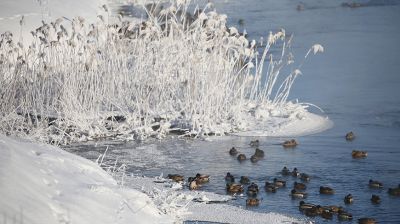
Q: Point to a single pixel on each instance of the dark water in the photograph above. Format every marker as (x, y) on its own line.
(356, 81)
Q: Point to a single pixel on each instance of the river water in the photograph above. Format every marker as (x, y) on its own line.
(355, 81)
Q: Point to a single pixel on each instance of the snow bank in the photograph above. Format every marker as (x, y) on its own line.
(44, 184)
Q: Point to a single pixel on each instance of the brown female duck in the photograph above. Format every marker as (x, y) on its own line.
(326, 190)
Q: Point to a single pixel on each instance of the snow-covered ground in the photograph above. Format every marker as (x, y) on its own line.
(44, 184)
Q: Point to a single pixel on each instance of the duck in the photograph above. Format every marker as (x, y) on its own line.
(375, 199)
(356, 154)
(394, 191)
(344, 216)
(375, 184)
(255, 143)
(252, 202)
(295, 172)
(244, 180)
(279, 183)
(193, 184)
(350, 136)
(270, 187)
(366, 221)
(229, 178)
(298, 194)
(233, 151)
(348, 199)
(327, 214)
(305, 177)
(241, 157)
(201, 178)
(290, 143)
(333, 208)
(299, 186)
(254, 158)
(285, 171)
(312, 212)
(259, 153)
(305, 206)
(326, 190)
(175, 177)
(252, 189)
(234, 188)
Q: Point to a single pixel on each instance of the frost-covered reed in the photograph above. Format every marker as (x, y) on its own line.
(134, 80)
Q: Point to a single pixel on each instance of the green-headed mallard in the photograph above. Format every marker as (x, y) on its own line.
(270, 187)
(344, 216)
(295, 173)
(252, 189)
(233, 151)
(375, 184)
(229, 178)
(304, 206)
(298, 194)
(305, 177)
(279, 183)
(348, 199)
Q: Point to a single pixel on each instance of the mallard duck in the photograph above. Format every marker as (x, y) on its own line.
(333, 208)
(298, 194)
(229, 178)
(175, 177)
(255, 143)
(344, 216)
(244, 180)
(348, 199)
(366, 221)
(305, 177)
(290, 143)
(375, 184)
(356, 154)
(201, 178)
(304, 206)
(252, 202)
(375, 199)
(327, 214)
(252, 189)
(312, 212)
(350, 136)
(234, 188)
(394, 191)
(279, 183)
(326, 190)
(299, 186)
(193, 184)
(254, 158)
(259, 153)
(241, 157)
(295, 172)
(233, 151)
(270, 187)
(285, 171)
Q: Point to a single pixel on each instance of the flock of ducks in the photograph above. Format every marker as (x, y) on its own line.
(298, 191)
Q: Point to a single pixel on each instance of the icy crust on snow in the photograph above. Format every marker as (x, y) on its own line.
(44, 184)
(200, 205)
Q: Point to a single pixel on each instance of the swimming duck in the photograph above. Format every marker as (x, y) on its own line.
(270, 187)
(285, 171)
(375, 199)
(193, 184)
(229, 178)
(326, 214)
(295, 172)
(259, 153)
(333, 208)
(244, 180)
(375, 184)
(326, 190)
(299, 186)
(279, 183)
(234, 188)
(348, 199)
(175, 177)
(356, 154)
(255, 143)
(305, 177)
(201, 178)
(241, 157)
(344, 216)
(312, 212)
(233, 151)
(394, 191)
(366, 221)
(298, 194)
(252, 202)
(304, 206)
(290, 143)
(254, 158)
(252, 189)
(350, 136)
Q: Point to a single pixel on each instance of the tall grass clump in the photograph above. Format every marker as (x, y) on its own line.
(177, 70)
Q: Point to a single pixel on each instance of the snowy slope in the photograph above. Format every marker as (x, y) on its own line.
(44, 184)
